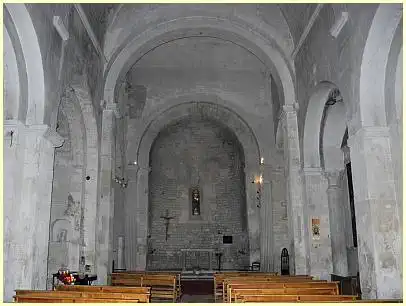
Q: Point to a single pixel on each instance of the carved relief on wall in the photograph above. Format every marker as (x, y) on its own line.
(74, 210)
(61, 230)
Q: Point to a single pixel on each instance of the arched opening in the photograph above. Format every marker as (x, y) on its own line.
(327, 164)
(66, 240)
(336, 162)
(138, 176)
(197, 157)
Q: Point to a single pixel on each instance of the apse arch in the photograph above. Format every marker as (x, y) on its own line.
(31, 70)
(194, 26)
(140, 173)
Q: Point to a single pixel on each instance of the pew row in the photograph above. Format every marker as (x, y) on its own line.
(293, 298)
(64, 296)
(163, 286)
(309, 288)
(220, 276)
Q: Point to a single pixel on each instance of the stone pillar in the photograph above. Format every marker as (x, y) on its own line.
(142, 220)
(297, 218)
(253, 213)
(130, 221)
(337, 222)
(317, 207)
(376, 210)
(27, 204)
(106, 207)
(266, 221)
(120, 252)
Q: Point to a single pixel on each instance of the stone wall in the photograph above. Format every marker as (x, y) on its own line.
(188, 153)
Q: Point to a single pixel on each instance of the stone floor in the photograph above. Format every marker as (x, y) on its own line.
(188, 298)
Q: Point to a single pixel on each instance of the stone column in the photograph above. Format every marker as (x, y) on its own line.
(142, 222)
(253, 213)
(376, 211)
(130, 222)
(106, 208)
(27, 205)
(297, 218)
(266, 221)
(120, 252)
(317, 207)
(337, 222)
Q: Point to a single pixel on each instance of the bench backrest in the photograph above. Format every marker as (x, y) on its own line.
(294, 298)
(141, 297)
(124, 289)
(32, 299)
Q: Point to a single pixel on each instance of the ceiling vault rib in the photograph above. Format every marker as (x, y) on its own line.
(307, 29)
(89, 30)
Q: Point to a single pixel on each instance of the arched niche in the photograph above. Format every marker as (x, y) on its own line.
(137, 191)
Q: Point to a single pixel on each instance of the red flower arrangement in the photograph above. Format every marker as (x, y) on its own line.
(66, 277)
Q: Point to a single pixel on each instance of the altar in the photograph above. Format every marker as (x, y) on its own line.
(197, 259)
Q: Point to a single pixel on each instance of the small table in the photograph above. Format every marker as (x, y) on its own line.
(86, 280)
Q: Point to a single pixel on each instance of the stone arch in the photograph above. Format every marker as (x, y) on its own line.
(22, 32)
(68, 185)
(222, 114)
(137, 152)
(80, 95)
(313, 121)
(139, 175)
(13, 106)
(191, 26)
(374, 64)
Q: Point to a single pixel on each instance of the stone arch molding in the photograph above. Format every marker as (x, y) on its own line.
(31, 73)
(138, 176)
(125, 15)
(312, 128)
(263, 48)
(78, 95)
(176, 108)
(374, 64)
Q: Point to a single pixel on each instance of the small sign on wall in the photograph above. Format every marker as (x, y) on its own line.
(316, 229)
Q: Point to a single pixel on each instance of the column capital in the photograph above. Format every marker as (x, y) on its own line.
(312, 171)
(368, 132)
(290, 108)
(334, 177)
(114, 108)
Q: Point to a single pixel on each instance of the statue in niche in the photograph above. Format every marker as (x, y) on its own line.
(195, 202)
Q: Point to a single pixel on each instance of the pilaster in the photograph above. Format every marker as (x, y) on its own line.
(376, 210)
(295, 190)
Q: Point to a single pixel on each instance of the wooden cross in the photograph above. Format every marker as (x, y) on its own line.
(167, 220)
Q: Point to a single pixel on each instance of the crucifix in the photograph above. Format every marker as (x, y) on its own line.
(167, 220)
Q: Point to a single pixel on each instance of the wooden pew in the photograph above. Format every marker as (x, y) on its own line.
(293, 298)
(286, 291)
(162, 286)
(220, 276)
(139, 290)
(130, 273)
(330, 288)
(31, 299)
(266, 279)
(68, 296)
